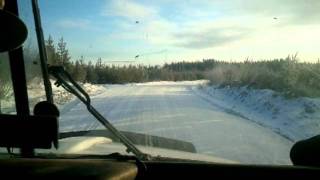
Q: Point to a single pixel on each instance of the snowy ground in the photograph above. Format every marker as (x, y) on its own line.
(36, 93)
(181, 110)
(295, 119)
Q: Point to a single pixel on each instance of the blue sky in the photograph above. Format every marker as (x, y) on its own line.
(164, 30)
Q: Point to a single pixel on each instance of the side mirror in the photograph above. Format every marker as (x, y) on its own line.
(306, 152)
(13, 31)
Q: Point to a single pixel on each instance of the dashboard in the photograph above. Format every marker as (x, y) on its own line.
(130, 169)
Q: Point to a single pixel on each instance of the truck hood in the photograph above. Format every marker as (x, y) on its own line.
(103, 146)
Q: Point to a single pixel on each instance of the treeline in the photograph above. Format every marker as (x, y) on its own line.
(287, 76)
(98, 72)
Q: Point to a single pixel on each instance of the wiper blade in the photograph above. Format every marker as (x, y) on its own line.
(136, 138)
(63, 77)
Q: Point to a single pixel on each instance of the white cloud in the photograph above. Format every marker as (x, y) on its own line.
(161, 32)
(73, 23)
(128, 9)
(296, 12)
(237, 29)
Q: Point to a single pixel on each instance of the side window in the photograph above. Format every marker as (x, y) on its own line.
(7, 101)
(34, 76)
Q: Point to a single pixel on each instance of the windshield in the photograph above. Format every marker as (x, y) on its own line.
(237, 79)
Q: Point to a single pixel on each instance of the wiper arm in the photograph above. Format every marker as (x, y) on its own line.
(63, 77)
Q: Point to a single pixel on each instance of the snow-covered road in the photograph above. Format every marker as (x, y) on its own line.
(173, 110)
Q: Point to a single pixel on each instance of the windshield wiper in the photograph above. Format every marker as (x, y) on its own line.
(136, 138)
(63, 77)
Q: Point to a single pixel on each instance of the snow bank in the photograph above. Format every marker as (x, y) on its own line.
(36, 92)
(295, 119)
(61, 96)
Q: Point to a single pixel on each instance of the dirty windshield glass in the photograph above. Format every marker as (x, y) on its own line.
(7, 101)
(235, 81)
